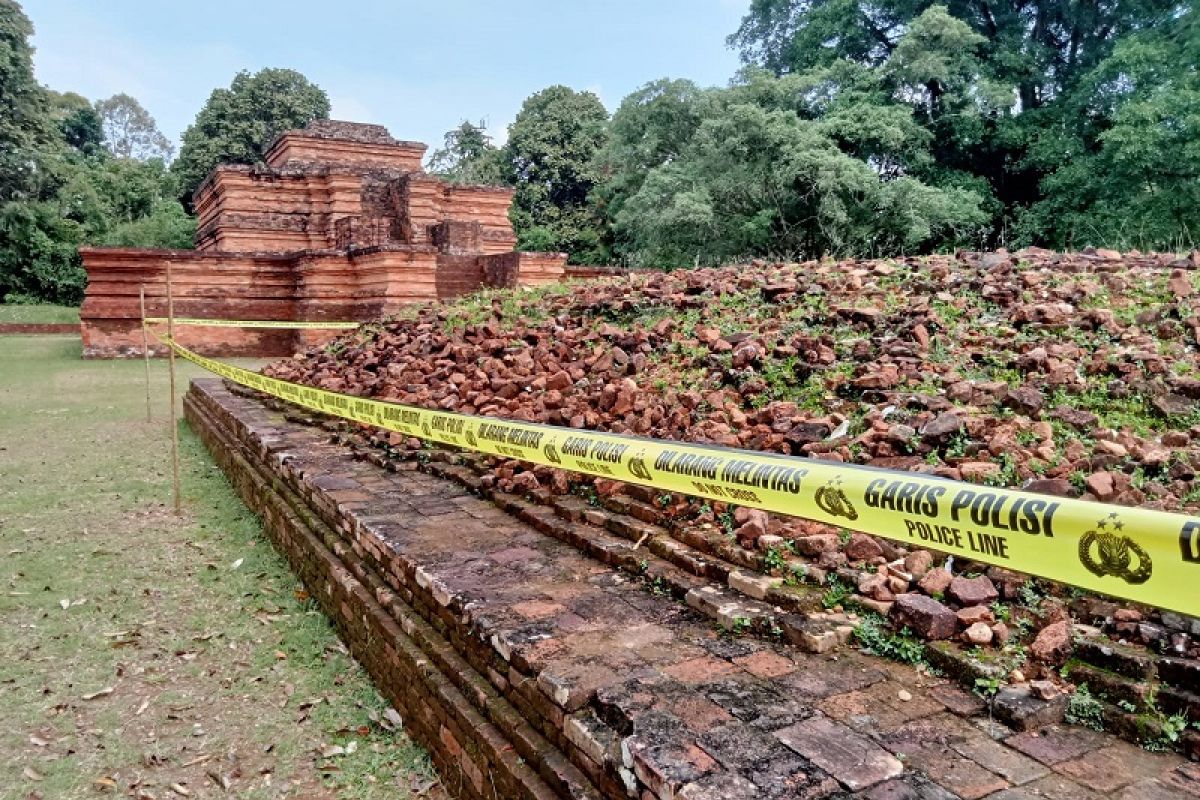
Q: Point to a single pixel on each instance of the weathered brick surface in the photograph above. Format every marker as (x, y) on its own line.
(531, 668)
(21, 328)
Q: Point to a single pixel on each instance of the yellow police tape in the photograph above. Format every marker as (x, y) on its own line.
(259, 323)
(1147, 556)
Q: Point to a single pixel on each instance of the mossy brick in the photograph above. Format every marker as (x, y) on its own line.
(1183, 673)
(1121, 659)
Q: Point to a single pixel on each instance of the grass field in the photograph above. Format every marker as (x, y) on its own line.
(39, 314)
(152, 656)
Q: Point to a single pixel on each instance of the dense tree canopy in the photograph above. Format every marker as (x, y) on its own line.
(76, 122)
(60, 188)
(238, 124)
(550, 159)
(24, 121)
(879, 126)
(756, 176)
(1033, 98)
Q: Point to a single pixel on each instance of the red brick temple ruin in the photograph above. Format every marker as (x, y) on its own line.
(342, 223)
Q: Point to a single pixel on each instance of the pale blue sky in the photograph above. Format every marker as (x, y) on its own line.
(416, 66)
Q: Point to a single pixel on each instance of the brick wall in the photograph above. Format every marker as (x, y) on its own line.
(311, 286)
(395, 623)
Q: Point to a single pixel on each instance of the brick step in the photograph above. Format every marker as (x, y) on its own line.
(717, 560)
(736, 599)
(639, 692)
(769, 598)
(809, 629)
(1140, 691)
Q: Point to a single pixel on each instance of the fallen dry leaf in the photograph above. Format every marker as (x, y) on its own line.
(32, 774)
(107, 690)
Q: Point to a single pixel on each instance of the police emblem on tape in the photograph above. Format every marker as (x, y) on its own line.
(1106, 552)
(637, 466)
(833, 501)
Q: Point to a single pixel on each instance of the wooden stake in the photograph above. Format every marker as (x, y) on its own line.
(145, 348)
(174, 421)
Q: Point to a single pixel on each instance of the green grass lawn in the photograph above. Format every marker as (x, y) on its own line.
(39, 314)
(140, 650)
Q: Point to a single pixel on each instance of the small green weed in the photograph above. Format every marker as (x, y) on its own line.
(1084, 709)
(836, 594)
(875, 637)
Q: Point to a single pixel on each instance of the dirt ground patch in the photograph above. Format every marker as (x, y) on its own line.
(149, 656)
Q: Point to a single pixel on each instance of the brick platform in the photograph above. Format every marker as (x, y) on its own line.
(530, 668)
(38, 328)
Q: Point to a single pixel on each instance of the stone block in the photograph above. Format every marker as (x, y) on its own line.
(927, 617)
(857, 761)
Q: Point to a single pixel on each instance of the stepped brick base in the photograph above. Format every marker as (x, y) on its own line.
(41, 328)
(531, 669)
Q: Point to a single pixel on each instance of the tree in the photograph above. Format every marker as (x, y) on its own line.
(130, 131)
(467, 155)
(757, 181)
(1043, 45)
(238, 124)
(25, 124)
(167, 225)
(76, 121)
(59, 187)
(39, 255)
(651, 128)
(997, 85)
(1135, 181)
(550, 154)
(100, 200)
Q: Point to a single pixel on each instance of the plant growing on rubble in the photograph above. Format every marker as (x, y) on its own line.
(1084, 709)
(837, 594)
(874, 636)
(739, 627)
(774, 560)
